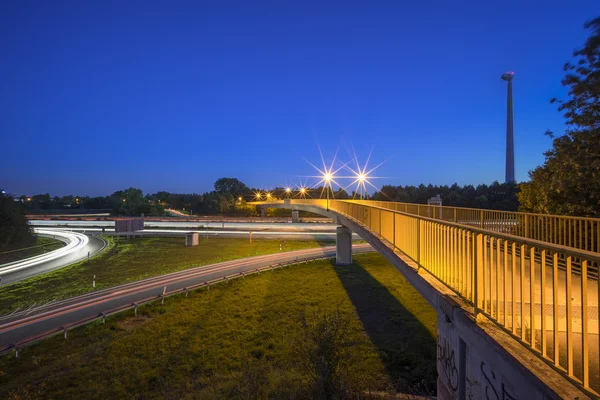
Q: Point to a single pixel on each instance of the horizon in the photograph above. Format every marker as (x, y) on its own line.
(146, 95)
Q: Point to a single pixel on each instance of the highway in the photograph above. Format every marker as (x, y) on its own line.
(23, 327)
(265, 230)
(77, 248)
(246, 226)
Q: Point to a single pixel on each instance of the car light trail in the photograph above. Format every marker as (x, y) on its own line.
(75, 242)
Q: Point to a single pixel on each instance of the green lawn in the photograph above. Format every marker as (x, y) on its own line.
(242, 340)
(40, 246)
(131, 260)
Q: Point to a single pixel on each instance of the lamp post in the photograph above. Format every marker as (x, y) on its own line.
(287, 192)
(361, 183)
(327, 179)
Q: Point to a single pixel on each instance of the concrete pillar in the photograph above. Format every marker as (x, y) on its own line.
(263, 212)
(295, 217)
(343, 250)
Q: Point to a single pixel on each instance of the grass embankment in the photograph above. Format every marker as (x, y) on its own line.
(131, 260)
(245, 340)
(40, 246)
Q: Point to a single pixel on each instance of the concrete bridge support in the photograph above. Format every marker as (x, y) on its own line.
(263, 212)
(343, 244)
(295, 216)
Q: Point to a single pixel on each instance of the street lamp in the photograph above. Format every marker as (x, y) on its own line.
(287, 192)
(327, 177)
(258, 196)
(361, 178)
(269, 196)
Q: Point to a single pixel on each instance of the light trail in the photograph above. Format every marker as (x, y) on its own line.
(75, 242)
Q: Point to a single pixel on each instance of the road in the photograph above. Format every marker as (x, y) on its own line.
(266, 230)
(20, 328)
(246, 226)
(77, 248)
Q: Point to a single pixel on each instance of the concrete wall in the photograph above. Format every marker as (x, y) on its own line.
(476, 359)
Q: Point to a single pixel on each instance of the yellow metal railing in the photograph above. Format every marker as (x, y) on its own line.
(544, 294)
(578, 232)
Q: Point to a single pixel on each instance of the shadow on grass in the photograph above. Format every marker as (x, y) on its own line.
(406, 347)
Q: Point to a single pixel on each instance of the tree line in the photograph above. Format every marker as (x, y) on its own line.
(497, 196)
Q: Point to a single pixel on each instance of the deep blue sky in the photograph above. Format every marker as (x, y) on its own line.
(98, 96)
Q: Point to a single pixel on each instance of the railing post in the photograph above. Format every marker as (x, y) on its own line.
(455, 219)
(526, 222)
(394, 230)
(478, 261)
(481, 219)
(419, 242)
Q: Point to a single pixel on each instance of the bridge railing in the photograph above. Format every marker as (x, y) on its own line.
(543, 294)
(578, 232)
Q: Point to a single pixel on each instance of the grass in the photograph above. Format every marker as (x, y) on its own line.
(131, 260)
(239, 340)
(40, 246)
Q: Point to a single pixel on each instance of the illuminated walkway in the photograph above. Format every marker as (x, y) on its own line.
(495, 265)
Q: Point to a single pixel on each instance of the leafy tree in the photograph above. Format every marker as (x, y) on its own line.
(132, 202)
(569, 180)
(14, 230)
(232, 186)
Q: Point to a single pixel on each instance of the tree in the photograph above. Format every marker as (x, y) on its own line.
(232, 186)
(14, 230)
(132, 202)
(569, 180)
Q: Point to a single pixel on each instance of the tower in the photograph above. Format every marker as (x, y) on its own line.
(510, 140)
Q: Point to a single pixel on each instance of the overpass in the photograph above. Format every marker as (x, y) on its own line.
(516, 293)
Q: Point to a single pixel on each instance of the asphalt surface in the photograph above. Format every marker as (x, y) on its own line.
(21, 326)
(77, 249)
(254, 226)
(282, 235)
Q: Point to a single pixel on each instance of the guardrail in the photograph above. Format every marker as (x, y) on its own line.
(14, 347)
(543, 294)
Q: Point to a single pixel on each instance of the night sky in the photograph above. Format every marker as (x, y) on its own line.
(98, 96)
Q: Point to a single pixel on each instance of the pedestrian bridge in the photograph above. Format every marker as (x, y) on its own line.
(516, 293)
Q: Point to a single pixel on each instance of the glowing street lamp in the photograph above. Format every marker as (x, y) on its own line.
(269, 196)
(258, 196)
(240, 199)
(361, 178)
(287, 192)
(327, 177)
